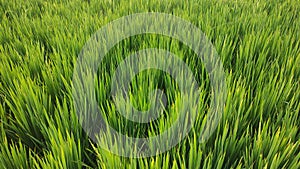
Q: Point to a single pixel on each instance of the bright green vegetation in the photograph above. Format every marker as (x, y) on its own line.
(258, 42)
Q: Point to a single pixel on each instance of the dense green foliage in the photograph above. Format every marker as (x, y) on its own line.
(259, 45)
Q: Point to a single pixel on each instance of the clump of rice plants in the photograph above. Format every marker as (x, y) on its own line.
(258, 43)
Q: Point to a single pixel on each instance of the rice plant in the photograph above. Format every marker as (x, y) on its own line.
(258, 44)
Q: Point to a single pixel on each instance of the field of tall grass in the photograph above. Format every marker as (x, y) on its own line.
(258, 43)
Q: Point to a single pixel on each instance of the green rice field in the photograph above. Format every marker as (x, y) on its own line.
(258, 43)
